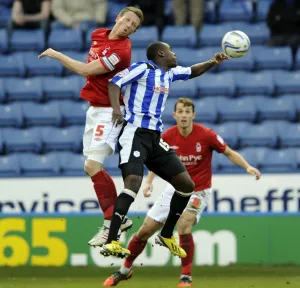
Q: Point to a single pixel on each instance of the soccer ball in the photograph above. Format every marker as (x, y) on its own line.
(235, 44)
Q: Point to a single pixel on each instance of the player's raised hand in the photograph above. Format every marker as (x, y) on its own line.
(51, 53)
(253, 171)
(117, 117)
(219, 58)
(148, 189)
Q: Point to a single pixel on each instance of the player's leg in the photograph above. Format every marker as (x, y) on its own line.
(99, 142)
(190, 217)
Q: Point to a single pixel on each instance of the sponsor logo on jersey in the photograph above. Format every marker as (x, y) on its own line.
(161, 89)
(136, 154)
(174, 147)
(190, 159)
(105, 50)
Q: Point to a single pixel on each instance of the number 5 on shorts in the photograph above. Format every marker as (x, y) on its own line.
(99, 130)
(164, 145)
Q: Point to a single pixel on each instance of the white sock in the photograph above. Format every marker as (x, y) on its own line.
(124, 270)
(107, 223)
(188, 276)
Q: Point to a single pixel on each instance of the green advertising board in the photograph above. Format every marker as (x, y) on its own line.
(59, 240)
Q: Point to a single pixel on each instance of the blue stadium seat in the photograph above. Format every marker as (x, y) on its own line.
(39, 165)
(242, 109)
(226, 166)
(183, 89)
(5, 15)
(290, 137)
(180, 36)
(144, 36)
(206, 110)
(263, 135)
(2, 92)
(258, 33)
(276, 109)
(42, 114)
(68, 139)
(22, 140)
(22, 40)
(262, 9)
(79, 56)
(74, 113)
(254, 155)
(71, 164)
(254, 83)
(167, 115)
(215, 162)
(11, 115)
(44, 66)
(111, 165)
(9, 166)
(138, 55)
(276, 161)
(222, 84)
(61, 88)
(236, 11)
(1, 142)
(245, 63)
(272, 57)
(12, 65)
(23, 89)
(228, 131)
(297, 64)
(3, 41)
(295, 99)
(279, 125)
(113, 11)
(287, 82)
(66, 39)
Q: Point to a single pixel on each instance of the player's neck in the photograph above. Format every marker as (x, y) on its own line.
(114, 36)
(161, 65)
(185, 132)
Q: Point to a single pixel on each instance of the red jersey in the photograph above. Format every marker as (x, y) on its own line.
(195, 152)
(115, 55)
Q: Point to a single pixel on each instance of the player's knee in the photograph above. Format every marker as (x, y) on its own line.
(133, 183)
(186, 222)
(92, 167)
(144, 233)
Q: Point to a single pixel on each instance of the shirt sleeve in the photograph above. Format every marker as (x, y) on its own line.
(181, 73)
(216, 142)
(117, 58)
(135, 72)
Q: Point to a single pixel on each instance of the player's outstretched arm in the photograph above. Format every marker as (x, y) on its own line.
(238, 159)
(201, 68)
(114, 97)
(84, 69)
(148, 188)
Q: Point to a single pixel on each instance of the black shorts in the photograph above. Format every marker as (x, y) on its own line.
(139, 147)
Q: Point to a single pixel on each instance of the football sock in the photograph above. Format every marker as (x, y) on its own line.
(121, 208)
(107, 223)
(106, 192)
(178, 204)
(136, 247)
(187, 244)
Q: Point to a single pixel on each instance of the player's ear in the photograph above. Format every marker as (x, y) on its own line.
(194, 115)
(160, 53)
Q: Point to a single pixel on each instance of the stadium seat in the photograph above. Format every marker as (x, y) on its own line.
(39, 165)
(254, 83)
(66, 39)
(215, 162)
(57, 139)
(295, 99)
(113, 11)
(279, 125)
(23, 89)
(3, 41)
(74, 113)
(79, 56)
(41, 67)
(236, 11)
(22, 140)
(1, 142)
(279, 161)
(228, 131)
(206, 110)
(5, 15)
(9, 166)
(2, 92)
(183, 89)
(12, 65)
(242, 109)
(22, 40)
(36, 114)
(263, 9)
(180, 36)
(138, 55)
(61, 88)
(11, 115)
(245, 63)
(71, 164)
(226, 166)
(287, 82)
(275, 109)
(221, 84)
(111, 165)
(258, 33)
(263, 135)
(167, 115)
(144, 36)
(272, 57)
(290, 137)
(254, 155)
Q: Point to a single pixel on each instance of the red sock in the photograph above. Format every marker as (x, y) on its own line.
(187, 243)
(136, 247)
(106, 192)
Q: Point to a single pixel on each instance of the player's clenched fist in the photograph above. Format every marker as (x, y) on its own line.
(49, 53)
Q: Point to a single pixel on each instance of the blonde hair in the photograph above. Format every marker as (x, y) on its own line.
(138, 12)
(186, 102)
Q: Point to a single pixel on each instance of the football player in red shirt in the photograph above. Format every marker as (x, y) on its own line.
(110, 53)
(194, 144)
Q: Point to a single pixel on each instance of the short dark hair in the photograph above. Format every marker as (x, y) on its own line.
(138, 12)
(153, 48)
(187, 102)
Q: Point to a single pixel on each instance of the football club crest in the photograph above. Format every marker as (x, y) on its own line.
(198, 147)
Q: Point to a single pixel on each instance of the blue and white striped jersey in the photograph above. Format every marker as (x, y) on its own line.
(147, 89)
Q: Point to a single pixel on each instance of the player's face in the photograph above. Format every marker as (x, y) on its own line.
(184, 115)
(169, 56)
(127, 24)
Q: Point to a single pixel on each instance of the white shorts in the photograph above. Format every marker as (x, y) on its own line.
(100, 136)
(197, 203)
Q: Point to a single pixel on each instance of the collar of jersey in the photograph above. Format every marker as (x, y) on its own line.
(151, 62)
